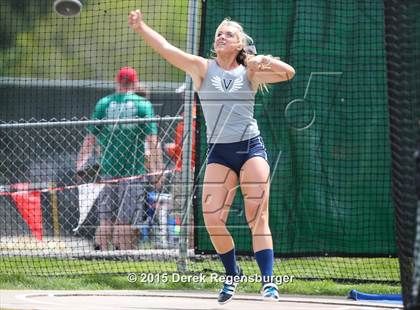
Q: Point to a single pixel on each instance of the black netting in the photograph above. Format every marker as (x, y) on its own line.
(326, 133)
(402, 45)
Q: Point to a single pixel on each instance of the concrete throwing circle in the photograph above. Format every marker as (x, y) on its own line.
(169, 300)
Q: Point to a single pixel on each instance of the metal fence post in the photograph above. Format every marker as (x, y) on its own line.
(186, 175)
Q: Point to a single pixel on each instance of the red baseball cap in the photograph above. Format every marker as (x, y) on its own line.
(126, 75)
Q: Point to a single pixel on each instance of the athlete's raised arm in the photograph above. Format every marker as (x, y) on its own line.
(194, 65)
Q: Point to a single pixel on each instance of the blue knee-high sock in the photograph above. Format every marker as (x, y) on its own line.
(265, 260)
(229, 261)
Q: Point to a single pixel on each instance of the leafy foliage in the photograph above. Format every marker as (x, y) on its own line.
(37, 42)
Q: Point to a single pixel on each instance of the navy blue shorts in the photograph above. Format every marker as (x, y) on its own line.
(234, 155)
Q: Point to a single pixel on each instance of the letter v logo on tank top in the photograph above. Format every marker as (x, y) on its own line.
(227, 85)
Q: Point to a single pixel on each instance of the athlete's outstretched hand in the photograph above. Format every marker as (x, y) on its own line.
(135, 19)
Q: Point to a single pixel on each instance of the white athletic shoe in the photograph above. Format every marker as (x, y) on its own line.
(270, 292)
(229, 288)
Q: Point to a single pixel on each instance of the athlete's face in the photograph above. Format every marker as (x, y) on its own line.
(227, 40)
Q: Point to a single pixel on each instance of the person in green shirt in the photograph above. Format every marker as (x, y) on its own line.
(122, 155)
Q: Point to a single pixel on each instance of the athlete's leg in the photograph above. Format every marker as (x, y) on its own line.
(255, 187)
(219, 188)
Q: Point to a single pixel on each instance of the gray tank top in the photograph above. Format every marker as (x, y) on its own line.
(227, 100)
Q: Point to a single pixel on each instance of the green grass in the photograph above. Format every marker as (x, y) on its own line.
(109, 282)
(373, 269)
(36, 273)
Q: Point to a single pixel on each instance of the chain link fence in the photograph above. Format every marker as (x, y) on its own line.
(51, 208)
